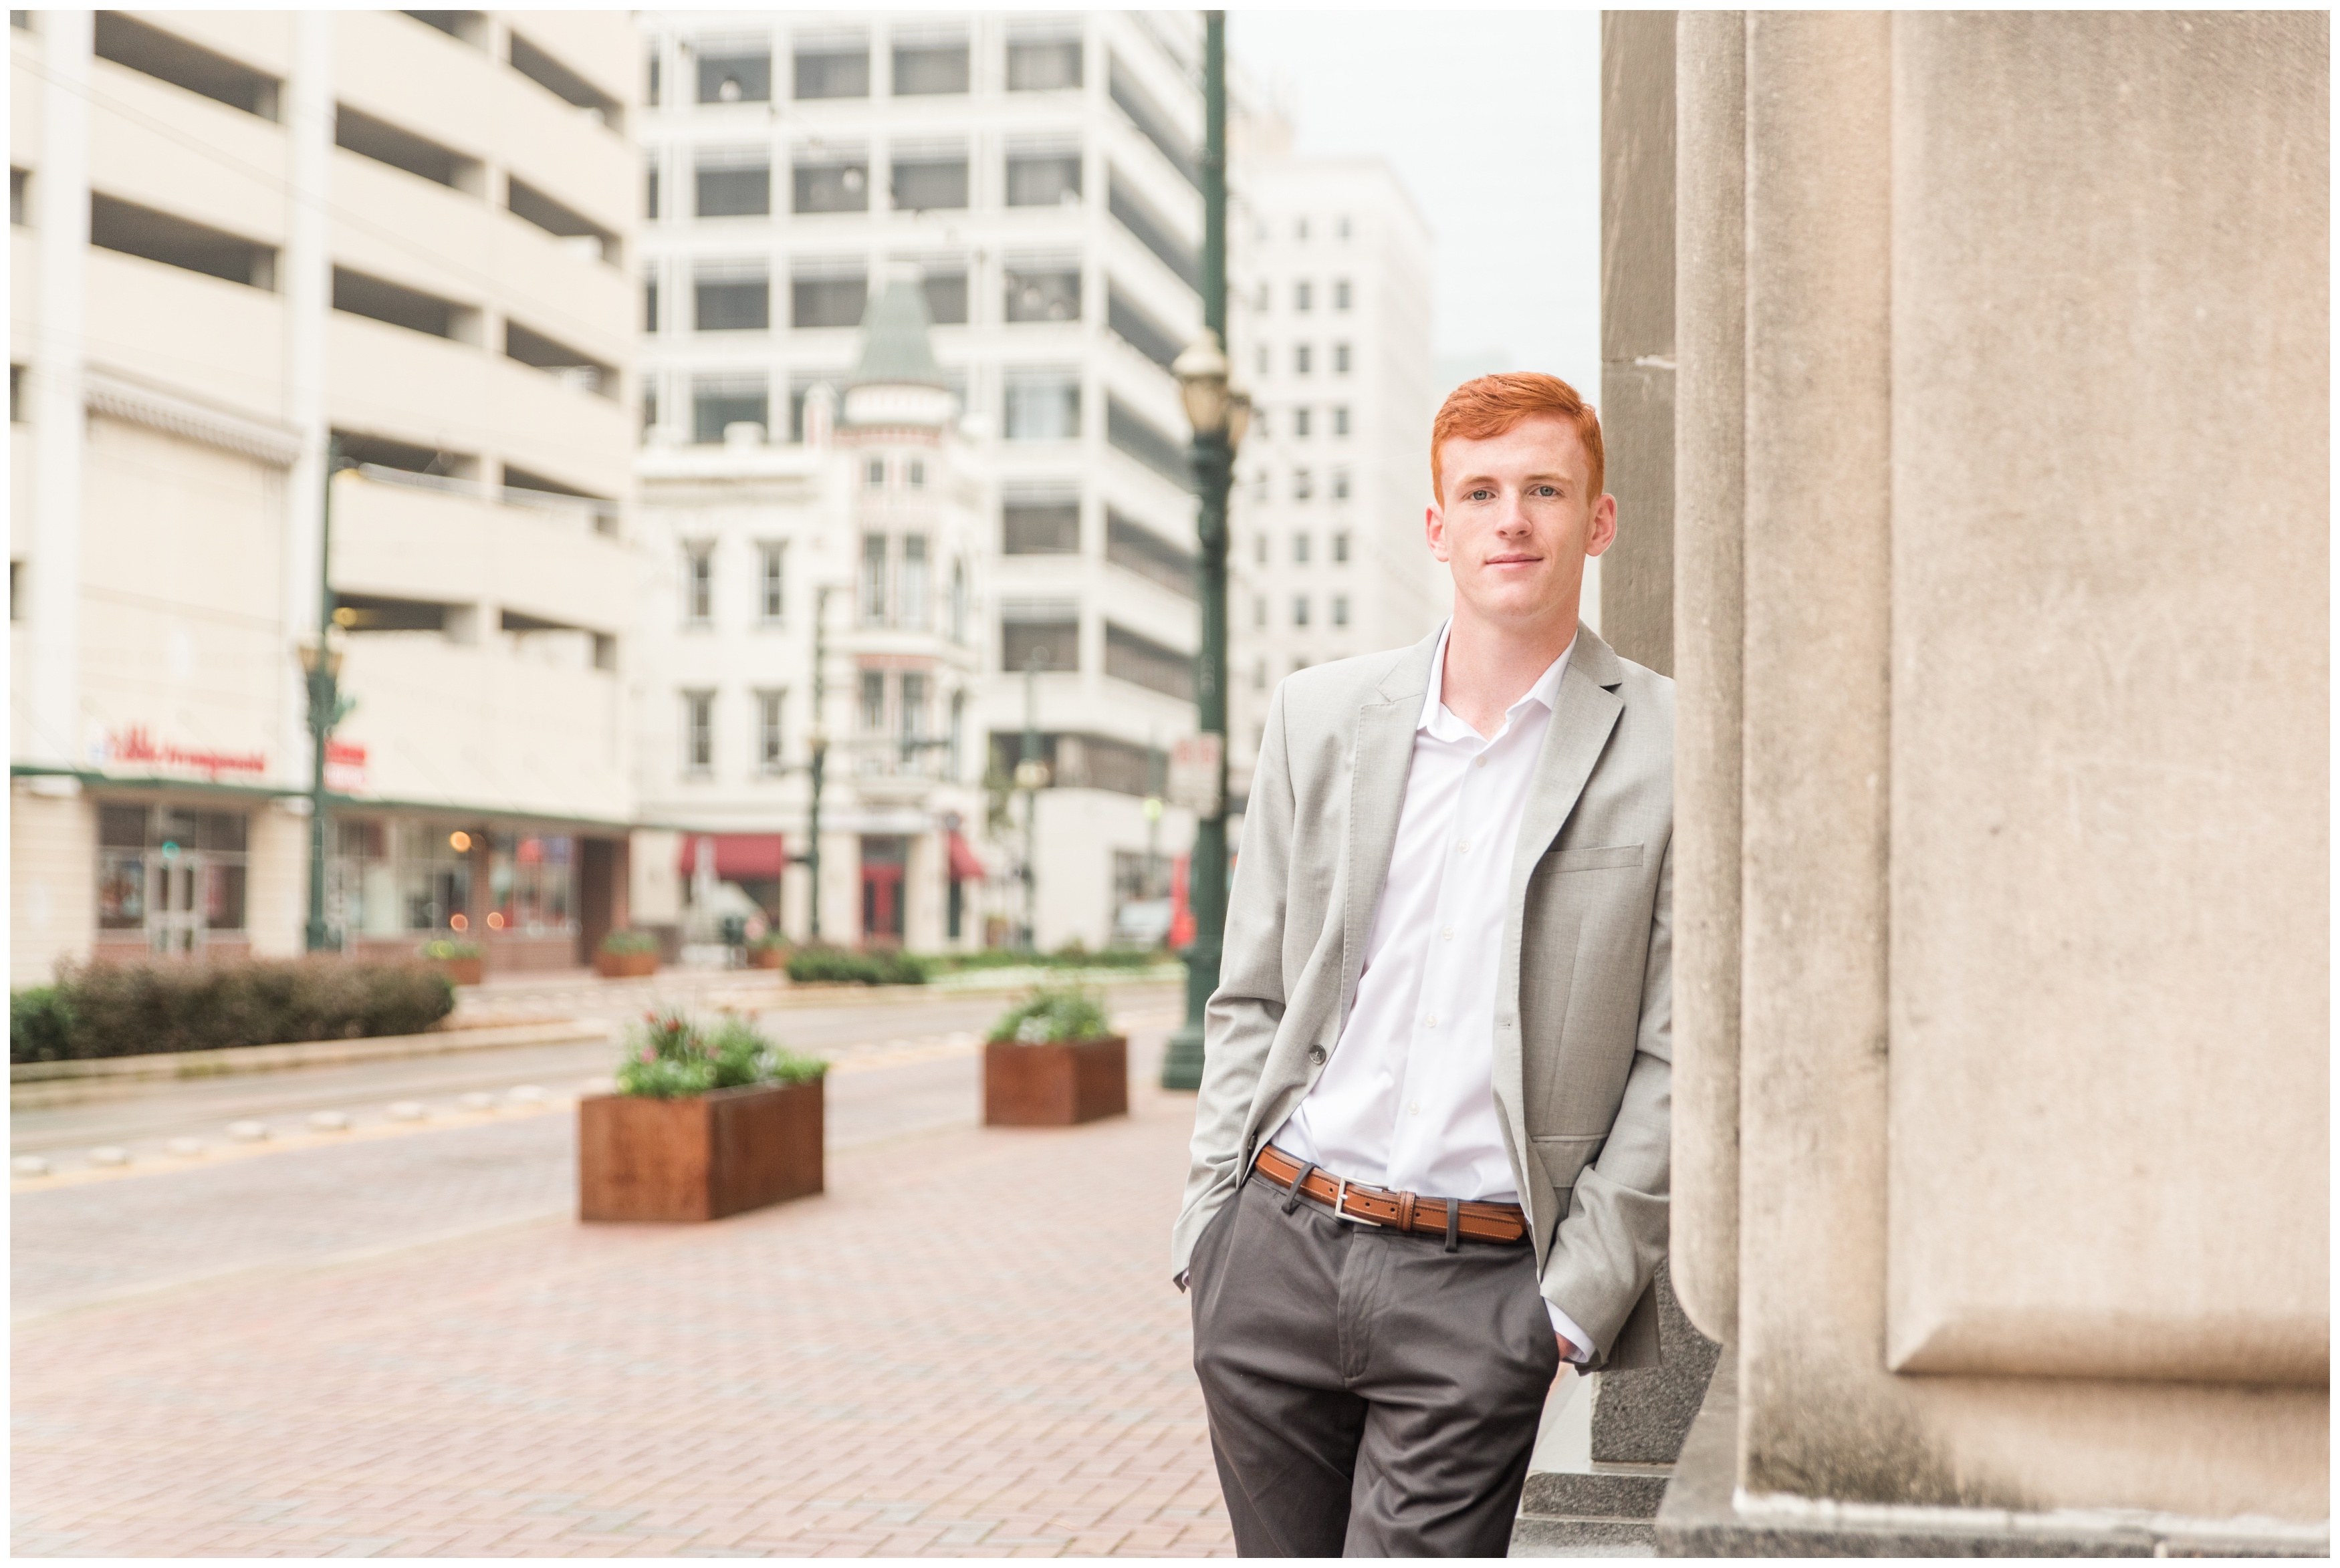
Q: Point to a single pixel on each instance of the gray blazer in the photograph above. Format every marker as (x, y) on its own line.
(1583, 1018)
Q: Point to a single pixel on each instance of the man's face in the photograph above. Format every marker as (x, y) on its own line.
(1515, 523)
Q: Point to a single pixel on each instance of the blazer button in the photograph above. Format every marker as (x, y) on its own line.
(1316, 1056)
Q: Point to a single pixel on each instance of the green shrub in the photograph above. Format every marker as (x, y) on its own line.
(40, 1024)
(1053, 1013)
(840, 966)
(769, 940)
(135, 1008)
(443, 951)
(669, 1055)
(1024, 957)
(625, 944)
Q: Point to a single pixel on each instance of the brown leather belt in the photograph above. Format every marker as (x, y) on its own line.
(1469, 1221)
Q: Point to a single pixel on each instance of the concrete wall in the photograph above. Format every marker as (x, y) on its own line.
(1637, 331)
(2003, 594)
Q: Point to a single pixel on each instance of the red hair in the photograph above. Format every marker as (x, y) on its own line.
(1492, 406)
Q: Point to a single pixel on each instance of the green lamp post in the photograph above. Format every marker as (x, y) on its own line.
(1219, 415)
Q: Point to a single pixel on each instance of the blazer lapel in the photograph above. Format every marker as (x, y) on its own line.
(1580, 724)
(1378, 769)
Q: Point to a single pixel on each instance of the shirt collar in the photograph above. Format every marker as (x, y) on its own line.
(1444, 725)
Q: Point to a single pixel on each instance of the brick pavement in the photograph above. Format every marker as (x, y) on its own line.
(873, 1371)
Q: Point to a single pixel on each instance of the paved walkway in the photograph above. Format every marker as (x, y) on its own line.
(967, 1347)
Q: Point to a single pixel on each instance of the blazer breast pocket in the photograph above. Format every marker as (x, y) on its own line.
(1607, 857)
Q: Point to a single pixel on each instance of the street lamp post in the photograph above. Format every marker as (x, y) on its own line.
(1218, 416)
(1031, 775)
(320, 663)
(820, 748)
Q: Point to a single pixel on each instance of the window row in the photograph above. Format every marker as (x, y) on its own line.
(1304, 485)
(1337, 604)
(1299, 422)
(1303, 359)
(1303, 546)
(837, 64)
(1041, 519)
(737, 296)
(1303, 293)
(896, 708)
(1263, 229)
(1045, 636)
(920, 177)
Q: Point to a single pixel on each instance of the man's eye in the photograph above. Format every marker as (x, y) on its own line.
(1546, 491)
(1483, 495)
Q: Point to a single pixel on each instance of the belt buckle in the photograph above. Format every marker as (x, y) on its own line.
(1340, 1197)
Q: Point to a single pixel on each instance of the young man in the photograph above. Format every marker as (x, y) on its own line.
(1431, 1151)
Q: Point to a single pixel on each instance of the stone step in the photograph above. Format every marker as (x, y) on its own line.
(1546, 1535)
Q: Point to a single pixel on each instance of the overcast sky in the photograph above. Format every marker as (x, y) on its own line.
(1492, 121)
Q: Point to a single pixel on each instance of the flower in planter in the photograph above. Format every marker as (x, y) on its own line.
(629, 943)
(669, 1055)
(445, 951)
(1053, 1013)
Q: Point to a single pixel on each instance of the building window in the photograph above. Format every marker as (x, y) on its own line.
(1300, 230)
(18, 178)
(921, 69)
(650, 403)
(873, 701)
(155, 236)
(651, 303)
(1135, 547)
(16, 394)
(1300, 609)
(532, 883)
(1040, 524)
(1042, 291)
(1340, 484)
(769, 710)
(1259, 486)
(736, 77)
(1340, 359)
(875, 475)
(1304, 296)
(1142, 661)
(928, 183)
(1303, 358)
(1344, 226)
(828, 294)
(388, 878)
(1300, 549)
(1259, 550)
(771, 581)
(1340, 609)
(730, 297)
(733, 183)
(1044, 66)
(1300, 423)
(917, 474)
(1044, 637)
(1043, 405)
(717, 402)
(1341, 419)
(654, 79)
(1341, 292)
(1261, 358)
(945, 290)
(1266, 293)
(698, 733)
(912, 715)
(833, 71)
(698, 584)
(1259, 610)
(1341, 547)
(915, 594)
(832, 182)
(650, 191)
(170, 58)
(1043, 179)
(957, 618)
(1259, 676)
(1303, 487)
(873, 579)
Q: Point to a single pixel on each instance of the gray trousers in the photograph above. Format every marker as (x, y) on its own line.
(1370, 1394)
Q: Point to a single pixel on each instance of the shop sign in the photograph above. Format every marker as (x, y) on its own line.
(345, 767)
(1197, 768)
(135, 747)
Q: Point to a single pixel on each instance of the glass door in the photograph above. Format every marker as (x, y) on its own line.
(175, 923)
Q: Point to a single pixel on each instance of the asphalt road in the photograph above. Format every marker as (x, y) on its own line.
(494, 1145)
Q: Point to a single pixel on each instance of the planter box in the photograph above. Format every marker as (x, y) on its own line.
(699, 1158)
(768, 957)
(624, 966)
(1054, 1085)
(462, 971)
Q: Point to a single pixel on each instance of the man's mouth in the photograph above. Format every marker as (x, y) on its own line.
(1512, 560)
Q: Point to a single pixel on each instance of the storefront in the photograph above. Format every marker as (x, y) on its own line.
(173, 878)
(532, 897)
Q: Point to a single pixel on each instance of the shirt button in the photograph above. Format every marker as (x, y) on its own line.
(1479, 761)
(1462, 845)
(1446, 934)
(1316, 1055)
(1430, 1021)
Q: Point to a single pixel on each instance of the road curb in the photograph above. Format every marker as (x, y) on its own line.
(239, 1059)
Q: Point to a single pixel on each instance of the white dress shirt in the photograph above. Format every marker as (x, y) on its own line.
(1407, 1101)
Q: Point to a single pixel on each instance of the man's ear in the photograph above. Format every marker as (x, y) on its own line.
(1603, 531)
(1434, 529)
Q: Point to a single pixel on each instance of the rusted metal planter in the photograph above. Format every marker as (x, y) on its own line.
(768, 957)
(1056, 1084)
(625, 965)
(698, 1157)
(462, 971)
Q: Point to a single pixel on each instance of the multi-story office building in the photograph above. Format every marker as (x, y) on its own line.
(236, 238)
(1330, 322)
(1039, 174)
(823, 587)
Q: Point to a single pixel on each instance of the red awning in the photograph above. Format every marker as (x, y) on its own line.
(963, 865)
(736, 854)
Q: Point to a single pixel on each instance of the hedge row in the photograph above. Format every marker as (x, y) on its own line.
(837, 966)
(137, 1008)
